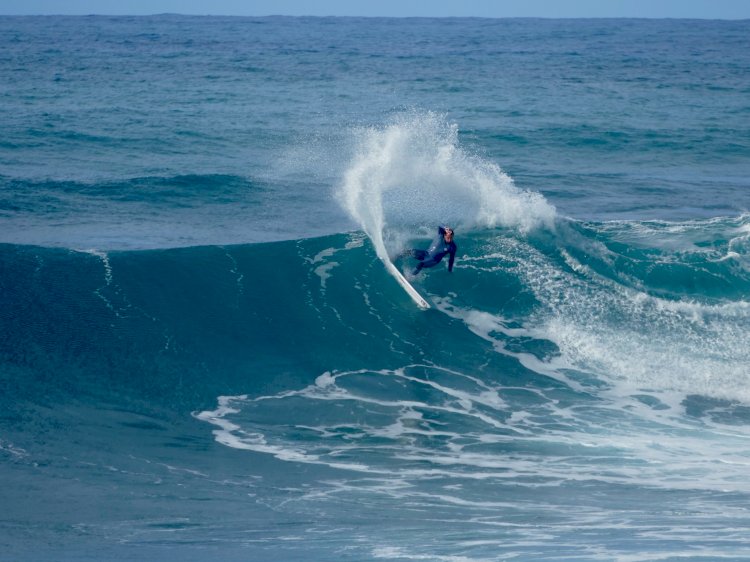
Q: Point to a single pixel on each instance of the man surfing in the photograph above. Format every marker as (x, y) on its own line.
(442, 244)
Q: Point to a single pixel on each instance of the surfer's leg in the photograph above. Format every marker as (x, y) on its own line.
(430, 262)
(424, 260)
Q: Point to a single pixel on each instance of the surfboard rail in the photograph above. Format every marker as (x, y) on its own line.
(410, 290)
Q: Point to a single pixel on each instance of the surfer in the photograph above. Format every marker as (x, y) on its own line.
(442, 244)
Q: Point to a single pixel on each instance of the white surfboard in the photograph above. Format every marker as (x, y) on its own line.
(411, 291)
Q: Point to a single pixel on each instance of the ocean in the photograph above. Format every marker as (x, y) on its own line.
(203, 356)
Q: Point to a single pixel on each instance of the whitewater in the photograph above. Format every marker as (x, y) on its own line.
(203, 355)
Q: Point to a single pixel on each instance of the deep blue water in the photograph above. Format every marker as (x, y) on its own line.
(202, 355)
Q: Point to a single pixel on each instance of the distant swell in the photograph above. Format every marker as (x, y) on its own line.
(136, 213)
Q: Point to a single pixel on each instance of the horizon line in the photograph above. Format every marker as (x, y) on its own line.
(218, 15)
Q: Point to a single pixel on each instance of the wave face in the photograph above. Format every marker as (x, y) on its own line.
(575, 377)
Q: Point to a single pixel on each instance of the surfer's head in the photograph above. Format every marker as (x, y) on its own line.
(448, 235)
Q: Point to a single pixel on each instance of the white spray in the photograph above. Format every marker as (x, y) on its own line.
(411, 175)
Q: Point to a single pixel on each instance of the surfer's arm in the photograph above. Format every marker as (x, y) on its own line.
(451, 258)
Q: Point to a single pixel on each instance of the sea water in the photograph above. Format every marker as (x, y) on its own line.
(202, 355)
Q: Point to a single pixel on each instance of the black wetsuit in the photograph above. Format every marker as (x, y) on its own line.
(436, 252)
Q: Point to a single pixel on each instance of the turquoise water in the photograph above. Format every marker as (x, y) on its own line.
(203, 357)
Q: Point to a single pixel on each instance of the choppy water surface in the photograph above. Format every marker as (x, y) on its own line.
(202, 354)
